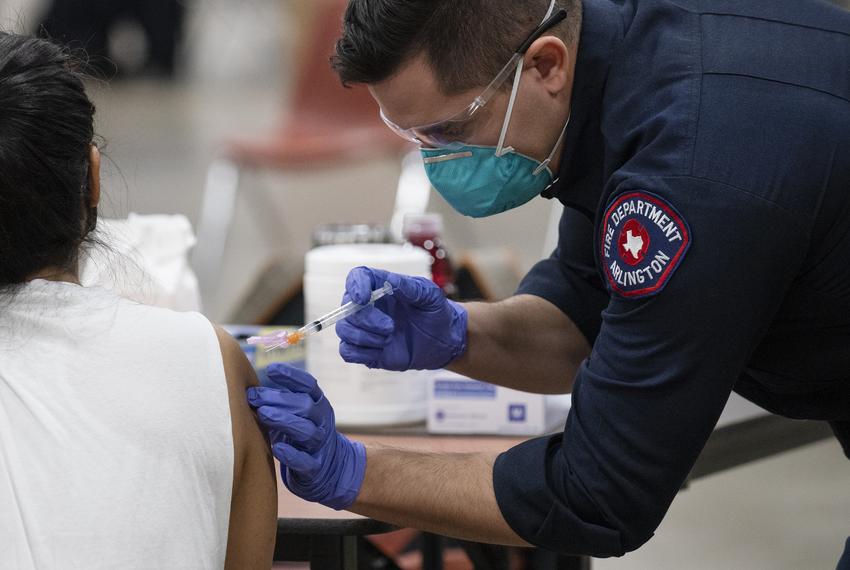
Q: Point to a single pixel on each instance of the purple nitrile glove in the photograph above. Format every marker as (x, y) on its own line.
(415, 328)
(318, 463)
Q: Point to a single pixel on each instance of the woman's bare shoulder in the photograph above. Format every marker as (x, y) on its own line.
(240, 374)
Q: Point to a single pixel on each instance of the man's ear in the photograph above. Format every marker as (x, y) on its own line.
(550, 58)
(94, 177)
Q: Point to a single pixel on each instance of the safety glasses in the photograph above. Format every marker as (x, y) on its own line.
(453, 132)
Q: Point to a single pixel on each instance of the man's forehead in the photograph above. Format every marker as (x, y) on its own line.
(411, 97)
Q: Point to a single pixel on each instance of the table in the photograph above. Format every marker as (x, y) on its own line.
(309, 532)
(329, 539)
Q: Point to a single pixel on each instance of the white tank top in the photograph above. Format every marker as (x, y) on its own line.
(116, 449)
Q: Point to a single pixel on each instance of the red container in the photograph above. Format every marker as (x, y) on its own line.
(424, 230)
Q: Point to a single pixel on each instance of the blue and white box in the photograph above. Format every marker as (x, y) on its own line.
(460, 405)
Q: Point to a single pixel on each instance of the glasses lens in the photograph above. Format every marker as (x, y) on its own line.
(406, 134)
(458, 132)
(444, 134)
(449, 134)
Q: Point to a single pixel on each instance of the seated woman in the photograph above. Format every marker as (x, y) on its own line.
(125, 437)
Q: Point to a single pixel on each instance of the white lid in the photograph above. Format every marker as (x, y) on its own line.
(340, 259)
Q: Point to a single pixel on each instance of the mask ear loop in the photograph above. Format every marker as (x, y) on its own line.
(545, 164)
(549, 21)
(500, 148)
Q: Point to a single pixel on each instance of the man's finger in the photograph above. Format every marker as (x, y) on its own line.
(354, 354)
(291, 402)
(293, 379)
(361, 281)
(361, 337)
(301, 431)
(373, 320)
(301, 463)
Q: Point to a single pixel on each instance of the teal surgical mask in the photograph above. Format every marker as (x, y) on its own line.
(481, 181)
(478, 182)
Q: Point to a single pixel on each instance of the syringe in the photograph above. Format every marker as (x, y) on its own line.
(283, 339)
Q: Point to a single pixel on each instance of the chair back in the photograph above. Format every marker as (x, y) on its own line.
(318, 92)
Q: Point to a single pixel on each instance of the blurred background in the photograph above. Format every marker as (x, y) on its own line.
(225, 111)
(206, 79)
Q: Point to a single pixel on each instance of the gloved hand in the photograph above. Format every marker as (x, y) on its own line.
(415, 328)
(318, 463)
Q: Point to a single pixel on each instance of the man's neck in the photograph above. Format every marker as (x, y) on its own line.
(555, 163)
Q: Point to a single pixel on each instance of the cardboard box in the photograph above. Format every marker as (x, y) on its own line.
(460, 405)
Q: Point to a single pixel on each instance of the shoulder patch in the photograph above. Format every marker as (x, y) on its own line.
(644, 239)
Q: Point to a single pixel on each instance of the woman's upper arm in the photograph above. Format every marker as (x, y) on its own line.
(253, 511)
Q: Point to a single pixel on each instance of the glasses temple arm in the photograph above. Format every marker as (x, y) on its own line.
(547, 25)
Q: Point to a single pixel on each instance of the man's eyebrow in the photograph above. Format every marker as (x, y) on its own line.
(443, 119)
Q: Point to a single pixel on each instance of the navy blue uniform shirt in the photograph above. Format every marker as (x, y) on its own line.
(704, 248)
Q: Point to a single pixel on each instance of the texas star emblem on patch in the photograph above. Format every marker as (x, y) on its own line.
(643, 241)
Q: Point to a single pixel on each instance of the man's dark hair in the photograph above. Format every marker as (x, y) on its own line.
(466, 42)
(46, 129)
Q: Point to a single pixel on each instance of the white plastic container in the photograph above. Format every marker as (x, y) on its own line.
(361, 397)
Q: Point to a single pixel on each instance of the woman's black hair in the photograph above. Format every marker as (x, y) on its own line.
(46, 133)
